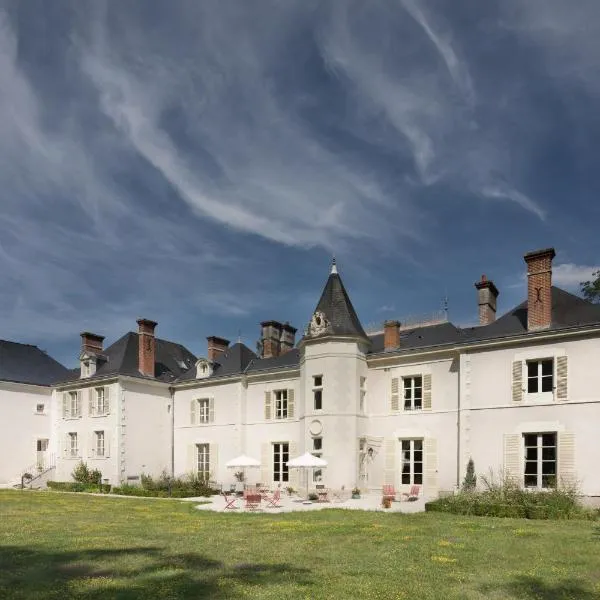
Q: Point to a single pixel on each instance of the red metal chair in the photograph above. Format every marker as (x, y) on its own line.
(252, 501)
(389, 492)
(413, 494)
(273, 501)
(229, 501)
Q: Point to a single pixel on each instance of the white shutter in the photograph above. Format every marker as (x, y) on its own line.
(106, 443)
(512, 457)
(430, 479)
(91, 405)
(290, 403)
(66, 405)
(193, 404)
(395, 404)
(211, 410)
(389, 473)
(268, 408)
(214, 461)
(91, 450)
(79, 401)
(107, 400)
(561, 378)
(427, 391)
(191, 465)
(566, 459)
(266, 464)
(517, 381)
(293, 475)
(66, 444)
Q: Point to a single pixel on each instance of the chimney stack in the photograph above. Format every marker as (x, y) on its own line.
(288, 338)
(91, 343)
(216, 347)
(391, 335)
(539, 288)
(147, 347)
(487, 294)
(270, 338)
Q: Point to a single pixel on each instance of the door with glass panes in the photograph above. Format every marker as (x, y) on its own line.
(411, 464)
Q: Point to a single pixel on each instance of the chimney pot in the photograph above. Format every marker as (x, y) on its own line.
(391, 335)
(271, 332)
(539, 288)
(216, 347)
(91, 342)
(146, 347)
(487, 296)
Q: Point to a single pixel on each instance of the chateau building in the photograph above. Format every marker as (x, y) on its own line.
(407, 405)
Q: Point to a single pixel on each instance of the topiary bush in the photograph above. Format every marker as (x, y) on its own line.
(470, 481)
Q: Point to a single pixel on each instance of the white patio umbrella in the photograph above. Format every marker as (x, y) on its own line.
(242, 462)
(307, 462)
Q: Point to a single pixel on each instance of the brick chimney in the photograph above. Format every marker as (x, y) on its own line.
(216, 347)
(391, 335)
(270, 338)
(487, 294)
(91, 343)
(147, 347)
(539, 288)
(288, 338)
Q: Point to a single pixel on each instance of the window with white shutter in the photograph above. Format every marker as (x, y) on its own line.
(268, 406)
(540, 460)
(413, 392)
(281, 404)
(394, 398)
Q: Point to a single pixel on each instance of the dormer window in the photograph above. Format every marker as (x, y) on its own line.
(204, 368)
(86, 368)
(88, 365)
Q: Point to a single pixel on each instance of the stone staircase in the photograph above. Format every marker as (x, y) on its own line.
(39, 473)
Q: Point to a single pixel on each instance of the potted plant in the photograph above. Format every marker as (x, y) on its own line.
(386, 502)
(290, 490)
(355, 493)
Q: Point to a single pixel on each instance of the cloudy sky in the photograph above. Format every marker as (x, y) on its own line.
(199, 162)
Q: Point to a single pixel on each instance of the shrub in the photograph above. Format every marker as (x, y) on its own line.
(470, 481)
(82, 474)
(70, 486)
(506, 499)
(313, 497)
(179, 487)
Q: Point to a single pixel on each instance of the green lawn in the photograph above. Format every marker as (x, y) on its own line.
(73, 546)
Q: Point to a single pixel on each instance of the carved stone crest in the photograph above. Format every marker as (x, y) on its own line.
(318, 324)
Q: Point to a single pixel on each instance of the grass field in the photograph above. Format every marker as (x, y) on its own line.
(73, 546)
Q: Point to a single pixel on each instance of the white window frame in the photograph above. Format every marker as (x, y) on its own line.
(100, 443)
(73, 404)
(412, 390)
(539, 395)
(73, 450)
(281, 473)
(203, 411)
(539, 461)
(317, 390)
(100, 393)
(203, 461)
(281, 404)
(410, 446)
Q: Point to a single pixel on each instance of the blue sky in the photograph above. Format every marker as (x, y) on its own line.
(198, 163)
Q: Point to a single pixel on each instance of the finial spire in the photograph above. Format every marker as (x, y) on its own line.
(333, 267)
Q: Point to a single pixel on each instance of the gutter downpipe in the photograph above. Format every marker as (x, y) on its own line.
(172, 392)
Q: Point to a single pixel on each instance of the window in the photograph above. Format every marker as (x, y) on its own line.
(203, 461)
(412, 462)
(100, 401)
(203, 410)
(72, 449)
(39, 409)
(540, 460)
(540, 376)
(362, 405)
(99, 443)
(317, 451)
(413, 393)
(318, 391)
(281, 455)
(86, 368)
(281, 405)
(73, 404)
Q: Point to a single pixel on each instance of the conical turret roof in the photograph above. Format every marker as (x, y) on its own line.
(335, 314)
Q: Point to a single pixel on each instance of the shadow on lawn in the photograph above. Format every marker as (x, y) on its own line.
(142, 572)
(535, 587)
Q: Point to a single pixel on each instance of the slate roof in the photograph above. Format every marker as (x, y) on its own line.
(290, 359)
(232, 362)
(335, 304)
(121, 358)
(421, 337)
(24, 363)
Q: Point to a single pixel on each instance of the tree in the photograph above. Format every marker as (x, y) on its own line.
(591, 289)
(470, 480)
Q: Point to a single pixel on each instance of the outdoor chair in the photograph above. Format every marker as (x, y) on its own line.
(229, 500)
(339, 495)
(273, 501)
(322, 493)
(252, 501)
(389, 492)
(413, 494)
